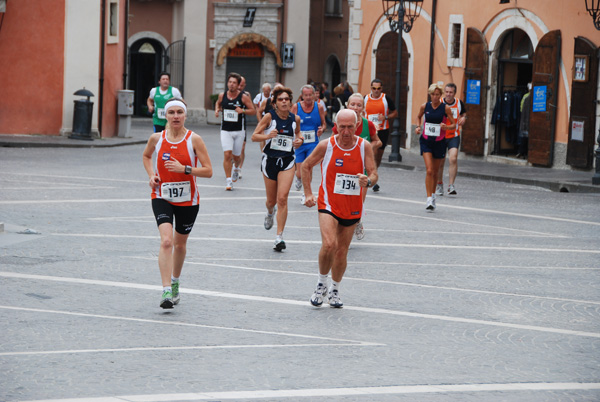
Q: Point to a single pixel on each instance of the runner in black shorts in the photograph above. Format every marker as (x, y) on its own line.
(280, 130)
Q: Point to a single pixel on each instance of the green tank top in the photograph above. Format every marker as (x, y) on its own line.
(159, 117)
(365, 130)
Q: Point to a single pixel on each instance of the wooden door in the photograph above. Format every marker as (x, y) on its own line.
(385, 70)
(542, 124)
(473, 132)
(580, 149)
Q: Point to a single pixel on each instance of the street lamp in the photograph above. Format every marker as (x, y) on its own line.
(401, 17)
(593, 7)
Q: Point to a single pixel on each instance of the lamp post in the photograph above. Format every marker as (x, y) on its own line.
(401, 17)
(593, 7)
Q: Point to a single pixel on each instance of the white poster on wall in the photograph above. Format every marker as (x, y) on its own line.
(577, 130)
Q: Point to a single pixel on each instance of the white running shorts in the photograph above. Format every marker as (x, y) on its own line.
(233, 141)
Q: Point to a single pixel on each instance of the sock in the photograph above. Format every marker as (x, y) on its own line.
(322, 279)
(334, 286)
(174, 280)
(167, 288)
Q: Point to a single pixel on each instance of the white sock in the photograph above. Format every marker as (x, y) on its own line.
(334, 286)
(322, 279)
(165, 288)
(174, 280)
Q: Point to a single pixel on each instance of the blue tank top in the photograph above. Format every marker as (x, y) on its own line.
(310, 121)
(285, 128)
(435, 116)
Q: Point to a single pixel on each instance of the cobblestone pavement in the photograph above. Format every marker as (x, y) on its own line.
(495, 296)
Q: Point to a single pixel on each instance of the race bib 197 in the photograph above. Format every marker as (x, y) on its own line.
(346, 184)
(176, 191)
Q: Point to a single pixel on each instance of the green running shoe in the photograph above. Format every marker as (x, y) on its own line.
(175, 289)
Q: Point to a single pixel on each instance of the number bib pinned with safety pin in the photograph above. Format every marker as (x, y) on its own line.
(176, 191)
(230, 115)
(432, 129)
(160, 112)
(346, 184)
(282, 143)
(309, 136)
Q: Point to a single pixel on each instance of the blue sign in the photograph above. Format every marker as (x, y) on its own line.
(473, 92)
(539, 99)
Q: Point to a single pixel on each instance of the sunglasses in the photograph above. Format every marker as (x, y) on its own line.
(283, 99)
(376, 88)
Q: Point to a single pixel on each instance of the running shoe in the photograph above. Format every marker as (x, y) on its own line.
(175, 291)
(319, 295)
(167, 299)
(269, 218)
(439, 189)
(376, 188)
(334, 299)
(236, 175)
(228, 185)
(430, 206)
(279, 244)
(451, 189)
(298, 184)
(359, 231)
(302, 199)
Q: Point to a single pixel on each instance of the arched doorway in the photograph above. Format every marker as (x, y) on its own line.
(385, 70)
(145, 61)
(246, 60)
(333, 73)
(515, 71)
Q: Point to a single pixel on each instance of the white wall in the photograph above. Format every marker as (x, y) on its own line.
(194, 14)
(82, 57)
(297, 25)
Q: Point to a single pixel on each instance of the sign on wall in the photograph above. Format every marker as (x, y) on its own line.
(539, 98)
(249, 18)
(577, 130)
(287, 55)
(474, 92)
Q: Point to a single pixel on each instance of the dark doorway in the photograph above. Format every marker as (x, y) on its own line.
(515, 70)
(385, 70)
(333, 72)
(249, 68)
(145, 61)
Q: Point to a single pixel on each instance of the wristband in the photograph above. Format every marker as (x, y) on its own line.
(188, 169)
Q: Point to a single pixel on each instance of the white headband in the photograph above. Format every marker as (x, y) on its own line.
(175, 103)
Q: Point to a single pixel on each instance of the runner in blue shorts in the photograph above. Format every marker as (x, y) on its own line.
(312, 125)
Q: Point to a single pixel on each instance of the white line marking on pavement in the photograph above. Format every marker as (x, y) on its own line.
(323, 393)
(361, 244)
(125, 200)
(230, 239)
(495, 211)
(172, 348)
(185, 324)
(299, 303)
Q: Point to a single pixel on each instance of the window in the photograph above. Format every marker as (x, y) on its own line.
(455, 41)
(333, 8)
(112, 23)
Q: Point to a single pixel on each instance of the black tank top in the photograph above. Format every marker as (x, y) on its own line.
(228, 105)
(285, 128)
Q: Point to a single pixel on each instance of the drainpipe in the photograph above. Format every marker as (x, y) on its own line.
(126, 48)
(283, 36)
(432, 43)
(101, 90)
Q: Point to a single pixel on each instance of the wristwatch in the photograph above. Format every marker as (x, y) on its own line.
(368, 182)
(188, 169)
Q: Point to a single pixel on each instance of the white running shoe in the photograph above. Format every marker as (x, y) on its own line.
(228, 185)
(319, 295)
(269, 218)
(359, 231)
(236, 174)
(298, 184)
(451, 189)
(439, 189)
(302, 199)
(334, 299)
(430, 205)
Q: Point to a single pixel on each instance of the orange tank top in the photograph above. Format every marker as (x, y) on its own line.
(177, 188)
(374, 107)
(340, 192)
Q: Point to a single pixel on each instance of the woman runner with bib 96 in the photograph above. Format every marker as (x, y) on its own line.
(179, 157)
(433, 133)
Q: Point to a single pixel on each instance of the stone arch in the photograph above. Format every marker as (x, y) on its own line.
(245, 38)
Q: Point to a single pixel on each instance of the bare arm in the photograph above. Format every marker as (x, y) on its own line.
(147, 160)
(452, 125)
(419, 117)
(259, 133)
(313, 159)
(205, 168)
(371, 167)
(249, 111)
(218, 105)
(322, 127)
(150, 104)
(298, 139)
